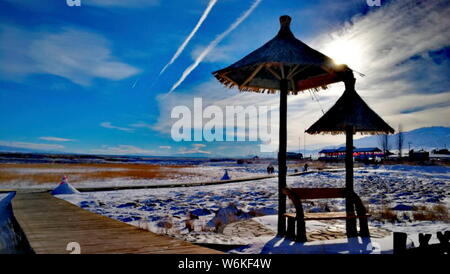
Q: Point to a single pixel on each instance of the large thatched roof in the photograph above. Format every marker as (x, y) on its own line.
(350, 110)
(282, 57)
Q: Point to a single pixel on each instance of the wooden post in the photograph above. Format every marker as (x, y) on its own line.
(349, 203)
(282, 157)
(301, 231)
(349, 158)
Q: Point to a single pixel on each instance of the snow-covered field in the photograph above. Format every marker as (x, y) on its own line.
(200, 213)
(23, 177)
(10, 240)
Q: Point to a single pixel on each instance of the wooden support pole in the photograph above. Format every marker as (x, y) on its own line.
(349, 203)
(349, 158)
(301, 231)
(282, 157)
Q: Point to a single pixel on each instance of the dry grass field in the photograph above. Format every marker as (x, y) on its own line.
(52, 173)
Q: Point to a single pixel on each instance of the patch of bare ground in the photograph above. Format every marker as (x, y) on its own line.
(437, 212)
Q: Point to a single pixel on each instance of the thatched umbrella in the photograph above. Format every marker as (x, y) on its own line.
(288, 65)
(350, 114)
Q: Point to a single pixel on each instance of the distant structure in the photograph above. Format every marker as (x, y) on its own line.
(250, 160)
(419, 156)
(64, 188)
(359, 154)
(443, 151)
(225, 176)
(294, 156)
(440, 155)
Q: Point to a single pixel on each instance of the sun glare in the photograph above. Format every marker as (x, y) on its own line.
(344, 52)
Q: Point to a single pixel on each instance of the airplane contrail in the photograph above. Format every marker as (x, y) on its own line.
(189, 37)
(135, 82)
(214, 43)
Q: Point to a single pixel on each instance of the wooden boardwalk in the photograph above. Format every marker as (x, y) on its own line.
(50, 224)
(217, 182)
(152, 186)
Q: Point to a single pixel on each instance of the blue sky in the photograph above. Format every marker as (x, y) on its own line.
(86, 79)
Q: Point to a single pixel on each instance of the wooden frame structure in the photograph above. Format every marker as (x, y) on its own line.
(296, 228)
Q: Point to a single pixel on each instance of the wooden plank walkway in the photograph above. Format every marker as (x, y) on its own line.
(50, 224)
(218, 182)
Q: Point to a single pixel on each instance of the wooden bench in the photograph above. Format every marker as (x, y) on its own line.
(296, 195)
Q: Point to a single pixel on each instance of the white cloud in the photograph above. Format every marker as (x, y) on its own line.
(31, 145)
(123, 150)
(211, 93)
(194, 149)
(198, 145)
(394, 54)
(142, 125)
(77, 55)
(56, 139)
(384, 39)
(219, 54)
(109, 125)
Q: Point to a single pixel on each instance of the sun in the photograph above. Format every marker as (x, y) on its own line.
(345, 52)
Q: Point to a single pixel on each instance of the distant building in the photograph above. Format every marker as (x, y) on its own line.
(250, 160)
(367, 153)
(359, 154)
(294, 156)
(443, 151)
(419, 156)
(332, 154)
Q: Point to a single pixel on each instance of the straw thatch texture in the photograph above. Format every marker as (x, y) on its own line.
(282, 57)
(350, 110)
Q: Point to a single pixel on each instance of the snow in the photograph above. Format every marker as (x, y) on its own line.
(200, 213)
(8, 240)
(402, 207)
(64, 188)
(5, 201)
(278, 245)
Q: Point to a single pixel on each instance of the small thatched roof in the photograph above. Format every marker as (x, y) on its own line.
(350, 110)
(282, 57)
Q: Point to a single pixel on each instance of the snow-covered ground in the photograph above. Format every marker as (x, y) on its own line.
(10, 240)
(200, 213)
(374, 245)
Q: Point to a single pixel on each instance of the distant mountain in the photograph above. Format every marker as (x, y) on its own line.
(19, 150)
(426, 137)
